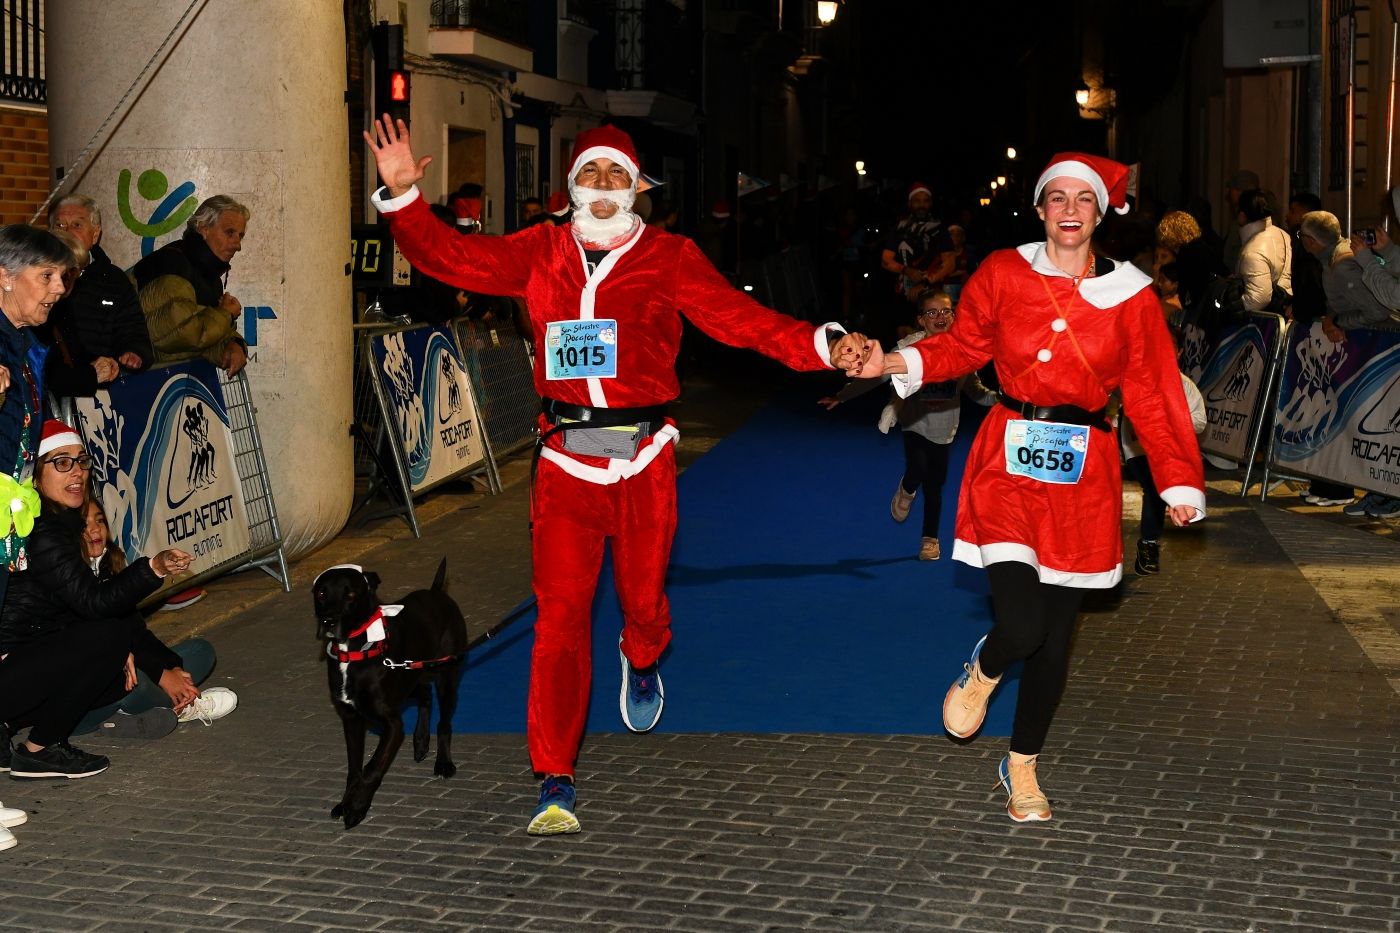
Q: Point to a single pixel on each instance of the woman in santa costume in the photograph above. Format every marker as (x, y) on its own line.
(1041, 502)
(605, 293)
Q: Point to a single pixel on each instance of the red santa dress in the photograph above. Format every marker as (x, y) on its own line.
(1058, 340)
(579, 501)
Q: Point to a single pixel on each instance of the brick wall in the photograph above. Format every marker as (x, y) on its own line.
(24, 153)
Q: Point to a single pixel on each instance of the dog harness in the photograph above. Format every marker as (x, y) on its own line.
(376, 634)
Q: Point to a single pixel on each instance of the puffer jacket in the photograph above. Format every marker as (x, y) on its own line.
(180, 286)
(60, 593)
(1266, 265)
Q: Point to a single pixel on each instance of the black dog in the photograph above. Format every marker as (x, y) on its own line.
(379, 658)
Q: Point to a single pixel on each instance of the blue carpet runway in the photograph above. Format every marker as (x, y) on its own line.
(797, 602)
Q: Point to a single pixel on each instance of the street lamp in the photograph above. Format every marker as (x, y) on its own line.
(994, 186)
(1001, 180)
(826, 12)
(1081, 97)
(1011, 152)
(860, 167)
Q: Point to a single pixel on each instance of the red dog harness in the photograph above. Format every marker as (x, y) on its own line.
(376, 634)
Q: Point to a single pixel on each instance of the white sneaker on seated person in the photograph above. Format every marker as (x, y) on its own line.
(214, 703)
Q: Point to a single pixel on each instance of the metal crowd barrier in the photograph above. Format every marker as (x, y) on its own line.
(1336, 409)
(419, 415)
(502, 370)
(150, 435)
(785, 281)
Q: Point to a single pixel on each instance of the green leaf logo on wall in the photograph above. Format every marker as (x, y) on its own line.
(152, 185)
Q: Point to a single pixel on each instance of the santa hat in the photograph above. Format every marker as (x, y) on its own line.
(56, 435)
(918, 186)
(558, 203)
(605, 142)
(467, 211)
(720, 210)
(1108, 178)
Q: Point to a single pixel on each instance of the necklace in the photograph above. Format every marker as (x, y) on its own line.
(1088, 270)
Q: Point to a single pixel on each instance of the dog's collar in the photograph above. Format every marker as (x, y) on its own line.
(375, 634)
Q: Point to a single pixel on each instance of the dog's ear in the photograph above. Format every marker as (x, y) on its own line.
(372, 579)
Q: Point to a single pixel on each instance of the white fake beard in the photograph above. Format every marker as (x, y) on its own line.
(602, 230)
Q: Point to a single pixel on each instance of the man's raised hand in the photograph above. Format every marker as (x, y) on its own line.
(394, 157)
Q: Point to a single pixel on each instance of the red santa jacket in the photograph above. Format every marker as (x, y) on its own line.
(645, 285)
(1055, 343)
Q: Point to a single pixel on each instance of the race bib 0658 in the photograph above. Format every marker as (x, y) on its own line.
(1046, 451)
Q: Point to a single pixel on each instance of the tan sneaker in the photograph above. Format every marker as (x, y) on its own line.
(965, 705)
(1024, 800)
(929, 550)
(899, 505)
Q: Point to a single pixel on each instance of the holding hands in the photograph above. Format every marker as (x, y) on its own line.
(171, 561)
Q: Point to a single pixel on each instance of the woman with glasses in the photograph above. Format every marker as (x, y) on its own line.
(59, 604)
(929, 422)
(1041, 504)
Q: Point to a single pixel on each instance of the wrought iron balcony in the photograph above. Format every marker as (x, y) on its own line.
(22, 75)
(504, 19)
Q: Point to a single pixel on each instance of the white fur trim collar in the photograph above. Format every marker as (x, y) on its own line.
(1101, 291)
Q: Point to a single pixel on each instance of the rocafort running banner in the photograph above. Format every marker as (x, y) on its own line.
(163, 462)
(1232, 382)
(1339, 408)
(430, 397)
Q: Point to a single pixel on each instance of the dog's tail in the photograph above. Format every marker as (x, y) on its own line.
(440, 581)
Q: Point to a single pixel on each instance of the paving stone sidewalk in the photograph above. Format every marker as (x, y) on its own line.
(1224, 759)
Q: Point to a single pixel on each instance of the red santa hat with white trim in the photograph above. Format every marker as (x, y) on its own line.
(1108, 178)
(57, 434)
(916, 187)
(605, 142)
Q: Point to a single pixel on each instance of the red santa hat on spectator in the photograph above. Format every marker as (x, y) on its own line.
(605, 142)
(57, 434)
(720, 210)
(467, 211)
(1108, 178)
(918, 186)
(558, 203)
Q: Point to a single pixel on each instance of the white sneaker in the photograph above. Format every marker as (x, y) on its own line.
(7, 839)
(214, 703)
(9, 816)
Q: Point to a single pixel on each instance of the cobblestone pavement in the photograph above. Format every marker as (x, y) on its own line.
(1224, 759)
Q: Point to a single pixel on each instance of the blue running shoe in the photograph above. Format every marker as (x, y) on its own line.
(642, 696)
(555, 814)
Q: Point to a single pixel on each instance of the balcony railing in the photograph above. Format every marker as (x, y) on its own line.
(22, 75)
(504, 19)
(654, 44)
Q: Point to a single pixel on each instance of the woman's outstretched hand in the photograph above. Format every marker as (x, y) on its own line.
(394, 157)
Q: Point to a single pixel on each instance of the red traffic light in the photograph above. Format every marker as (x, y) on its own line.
(398, 86)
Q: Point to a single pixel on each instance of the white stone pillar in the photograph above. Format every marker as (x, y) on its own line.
(247, 101)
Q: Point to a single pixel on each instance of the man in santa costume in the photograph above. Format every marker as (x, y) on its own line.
(606, 293)
(1041, 503)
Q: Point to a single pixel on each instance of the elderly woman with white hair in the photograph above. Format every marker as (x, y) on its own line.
(181, 286)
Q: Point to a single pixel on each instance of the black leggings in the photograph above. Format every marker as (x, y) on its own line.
(50, 682)
(926, 465)
(1034, 623)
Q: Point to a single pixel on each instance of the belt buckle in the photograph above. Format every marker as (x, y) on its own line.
(1028, 411)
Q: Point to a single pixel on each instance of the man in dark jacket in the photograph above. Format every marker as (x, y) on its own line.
(181, 286)
(101, 318)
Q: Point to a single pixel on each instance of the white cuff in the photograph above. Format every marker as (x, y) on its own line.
(387, 205)
(1186, 495)
(906, 384)
(821, 340)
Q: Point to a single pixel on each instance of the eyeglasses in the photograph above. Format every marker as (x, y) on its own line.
(937, 312)
(66, 464)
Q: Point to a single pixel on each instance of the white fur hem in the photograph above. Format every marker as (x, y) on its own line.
(821, 340)
(906, 384)
(1186, 495)
(616, 470)
(387, 205)
(986, 554)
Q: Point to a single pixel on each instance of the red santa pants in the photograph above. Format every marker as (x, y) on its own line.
(572, 518)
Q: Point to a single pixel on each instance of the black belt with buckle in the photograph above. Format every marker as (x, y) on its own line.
(1064, 414)
(563, 416)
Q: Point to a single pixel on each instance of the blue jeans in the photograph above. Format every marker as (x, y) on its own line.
(197, 660)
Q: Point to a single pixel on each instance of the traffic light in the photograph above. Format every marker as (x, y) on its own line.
(392, 82)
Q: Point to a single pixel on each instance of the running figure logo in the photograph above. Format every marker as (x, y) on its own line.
(196, 427)
(1313, 406)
